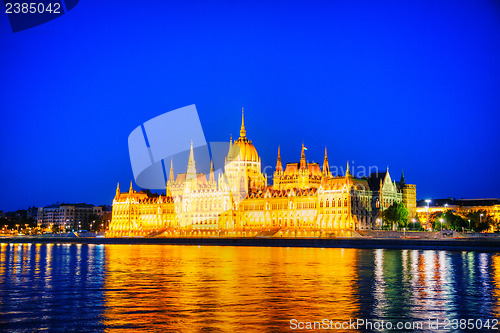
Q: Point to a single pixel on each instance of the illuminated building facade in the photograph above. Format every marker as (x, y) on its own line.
(459, 206)
(304, 200)
(67, 216)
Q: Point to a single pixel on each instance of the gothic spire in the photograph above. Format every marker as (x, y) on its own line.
(211, 178)
(347, 171)
(118, 189)
(131, 189)
(230, 146)
(402, 181)
(326, 168)
(279, 166)
(171, 175)
(302, 159)
(191, 169)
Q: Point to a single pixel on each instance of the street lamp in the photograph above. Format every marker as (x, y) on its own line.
(414, 224)
(441, 220)
(469, 225)
(481, 218)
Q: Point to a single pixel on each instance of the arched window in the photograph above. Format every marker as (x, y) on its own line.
(327, 203)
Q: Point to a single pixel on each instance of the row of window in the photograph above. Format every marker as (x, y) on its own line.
(327, 203)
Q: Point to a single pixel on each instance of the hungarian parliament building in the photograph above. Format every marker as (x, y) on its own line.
(305, 200)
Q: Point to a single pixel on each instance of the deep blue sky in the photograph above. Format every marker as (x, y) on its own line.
(409, 84)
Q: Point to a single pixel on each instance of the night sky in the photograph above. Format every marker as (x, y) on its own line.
(412, 85)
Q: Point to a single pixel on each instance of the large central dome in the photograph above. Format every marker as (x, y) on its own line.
(242, 149)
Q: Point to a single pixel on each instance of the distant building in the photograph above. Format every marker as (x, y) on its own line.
(68, 216)
(107, 213)
(21, 218)
(32, 213)
(459, 206)
(409, 192)
(17, 216)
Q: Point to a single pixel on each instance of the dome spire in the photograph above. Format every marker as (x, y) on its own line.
(243, 133)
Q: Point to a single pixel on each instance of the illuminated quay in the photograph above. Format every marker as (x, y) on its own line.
(305, 200)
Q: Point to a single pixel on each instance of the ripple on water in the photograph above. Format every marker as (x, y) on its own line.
(183, 288)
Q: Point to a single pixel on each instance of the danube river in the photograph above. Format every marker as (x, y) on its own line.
(70, 287)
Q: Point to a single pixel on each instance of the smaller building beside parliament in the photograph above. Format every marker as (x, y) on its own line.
(304, 200)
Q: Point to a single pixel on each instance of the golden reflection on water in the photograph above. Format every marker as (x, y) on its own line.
(495, 263)
(189, 288)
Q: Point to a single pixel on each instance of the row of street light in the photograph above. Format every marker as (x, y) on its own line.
(441, 220)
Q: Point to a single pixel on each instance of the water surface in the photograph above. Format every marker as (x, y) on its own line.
(224, 289)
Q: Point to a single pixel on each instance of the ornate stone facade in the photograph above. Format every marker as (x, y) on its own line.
(304, 200)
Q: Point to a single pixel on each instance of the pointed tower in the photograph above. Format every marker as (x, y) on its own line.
(243, 133)
(326, 168)
(230, 153)
(118, 189)
(211, 178)
(402, 181)
(303, 174)
(191, 169)
(171, 175)
(171, 179)
(279, 166)
(278, 173)
(302, 159)
(131, 189)
(347, 171)
(348, 176)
